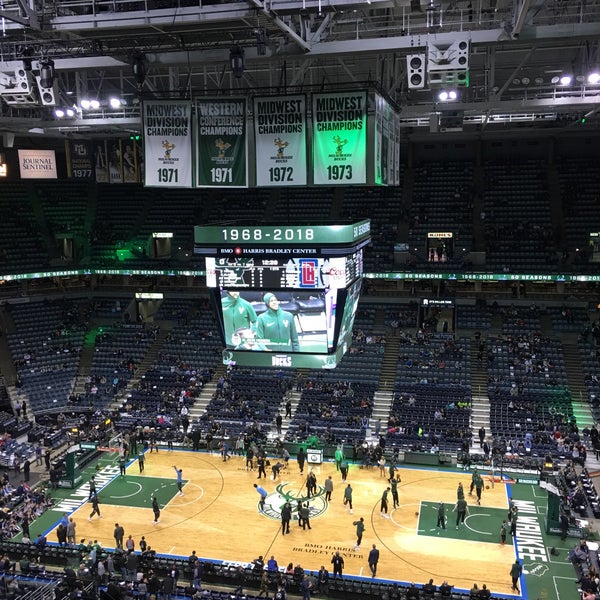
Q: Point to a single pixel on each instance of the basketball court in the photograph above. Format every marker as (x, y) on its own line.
(218, 516)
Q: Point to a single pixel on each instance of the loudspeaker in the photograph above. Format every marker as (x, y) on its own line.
(23, 81)
(415, 69)
(48, 95)
(21, 89)
(448, 57)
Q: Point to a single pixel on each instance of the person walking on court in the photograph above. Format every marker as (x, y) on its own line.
(305, 515)
(328, 484)
(515, 573)
(503, 528)
(141, 461)
(394, 485)
(344, 469)
(462, 510)
(260, 463)
(286, 517)
(441, 516)
(460, 492)
(155, 510)
(71, 535)
(123, 466)
(384, 503)
(92, 485)
(263, 496)
(360, 529)
(179, 479)
(301, 458)
(95, 507)
(119, 534)
(338, 565)
(348, 497)
(373, 560)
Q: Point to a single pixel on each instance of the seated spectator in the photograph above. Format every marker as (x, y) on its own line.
(445, 589)
(429, 589)
(412, 593)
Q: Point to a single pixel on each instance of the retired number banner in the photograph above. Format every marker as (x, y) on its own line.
(339, 138)
(222, 142)
(168, 143)
(80, 160)
(280, 140)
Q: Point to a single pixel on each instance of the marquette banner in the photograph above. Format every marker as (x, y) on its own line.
(222, 142)
(101, 157)
(37, 164)
(80, 160)
(115, 161)
(168, 143)
(280, 140)
(340, 138)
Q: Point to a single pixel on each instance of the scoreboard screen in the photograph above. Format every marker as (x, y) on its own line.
(284, 296)
(276, 272)
(278, 320)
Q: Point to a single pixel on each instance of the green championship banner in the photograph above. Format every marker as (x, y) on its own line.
(168, 143)
(280, 140)
(340, 138)
(80, 160)
(222, 142)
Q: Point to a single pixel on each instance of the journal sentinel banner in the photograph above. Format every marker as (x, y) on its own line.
(168, 143)
(222, 142)
(37, 164)
(340, 138)
(280, 140)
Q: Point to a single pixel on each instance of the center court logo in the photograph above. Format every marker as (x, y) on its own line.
(288, 492)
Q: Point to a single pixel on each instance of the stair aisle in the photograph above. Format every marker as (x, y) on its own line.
(390, 363)
(382, 404)
(480, 402)
(579, 394)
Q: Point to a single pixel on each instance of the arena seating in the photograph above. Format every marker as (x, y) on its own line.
(45, 348)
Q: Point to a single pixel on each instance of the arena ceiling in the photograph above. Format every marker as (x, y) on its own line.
(518, 51)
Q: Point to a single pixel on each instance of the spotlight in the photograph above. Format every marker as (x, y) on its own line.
(565, 80)
(70, 112)
(236, 59)
(27, 53)
(447, 95)
(59, 113)
(594, 78)
(94, 104)
(46, 72)
(85, 104)
(115, 103)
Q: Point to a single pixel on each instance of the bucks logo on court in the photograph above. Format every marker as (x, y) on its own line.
(289, 492)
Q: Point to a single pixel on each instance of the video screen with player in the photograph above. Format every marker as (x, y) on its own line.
(277, 320)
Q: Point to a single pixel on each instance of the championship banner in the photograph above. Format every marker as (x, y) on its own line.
(101, 162)
(115, 161)
(131, 161)
(339, 138)
(168, 143)
(80, 160)
(222, 142)
(384, 133)
(280, 140)
(37, 164)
